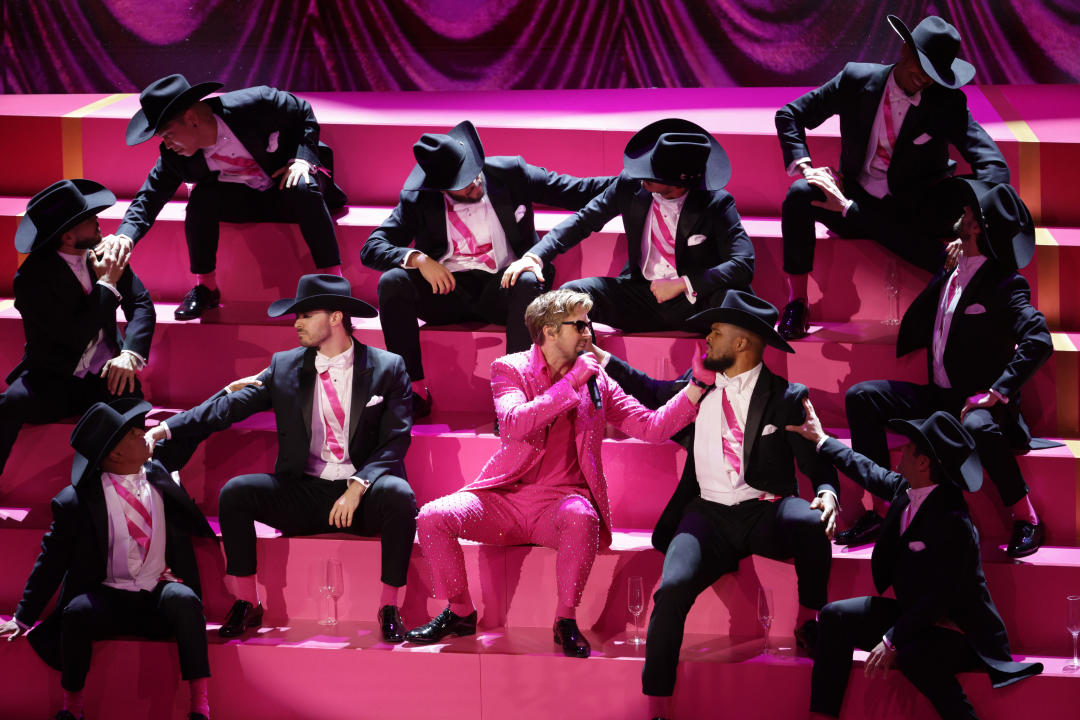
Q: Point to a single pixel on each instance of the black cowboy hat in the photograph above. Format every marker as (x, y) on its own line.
(749, 312)
(936, 44)
(677, 152)
(57, 209)
(1008, 232)
(322, 292)
(99, 430)
(447, 162)
(161, 101)
(944, 440)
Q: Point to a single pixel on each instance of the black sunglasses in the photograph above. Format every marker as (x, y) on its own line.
(581, 325)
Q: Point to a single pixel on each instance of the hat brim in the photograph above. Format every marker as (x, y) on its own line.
(637, 157)
(98, 198)
(349, 305)
(959, 73)
(474, 163)
(82, 466)
(734, 316)
(139, 129)
(968, 476)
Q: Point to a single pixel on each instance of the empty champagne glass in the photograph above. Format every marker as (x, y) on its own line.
(1073, 626)
(765, 614)
(892, 292)
(635, 603)
(331, 585)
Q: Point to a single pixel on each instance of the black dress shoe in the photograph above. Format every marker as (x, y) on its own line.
(242, 616)
(570, 638)
(865, 530)
(1026, 539)
(197, 716)
(421, 404)
(198, 300)
(444, 624)
(67, 715)
(393, 630)
(806, 636)
(795, 321)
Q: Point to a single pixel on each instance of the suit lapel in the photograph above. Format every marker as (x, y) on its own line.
(500, 201)
(635, 222)
(688, 220)
(361, 386)
(306, 394)
(755, 415)
(869, 100)
(92, 496)
(434, 207)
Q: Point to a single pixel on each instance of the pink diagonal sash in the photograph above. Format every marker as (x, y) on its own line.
(472, 248)
(665, 244)
(334, 438)
(884, 155)
(139, 522)
(733, 458)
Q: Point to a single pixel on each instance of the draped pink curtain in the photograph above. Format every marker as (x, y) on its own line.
(122, 45)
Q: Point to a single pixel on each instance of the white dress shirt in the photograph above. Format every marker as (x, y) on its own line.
(874, 175)
(916, 497)
(233, 161)
(321, 461)
(961, 277)
(718, 481)
(483, 222)
(654, 266)
(126, 569)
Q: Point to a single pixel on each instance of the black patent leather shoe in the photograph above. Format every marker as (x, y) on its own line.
(570, 638)
(393, 630)
(806, 636)
(795, 321)
(198, 300)
(443, 625)
(865, 530)
(1026, 539)
(421, 404)
(242, 616)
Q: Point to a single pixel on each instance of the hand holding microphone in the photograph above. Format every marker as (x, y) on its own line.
(584, 371)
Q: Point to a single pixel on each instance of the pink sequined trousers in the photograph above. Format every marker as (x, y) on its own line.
(557, 517)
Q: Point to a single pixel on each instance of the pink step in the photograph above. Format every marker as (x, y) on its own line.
(299, 672)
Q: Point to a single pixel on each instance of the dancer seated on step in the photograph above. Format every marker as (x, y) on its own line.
(119, 550)
(344, 416)
(983, 340)
(67, 294)
(253, 155)
(686, 246)
(545, 484)
(470, 220)
(738, 495)
(942, 620)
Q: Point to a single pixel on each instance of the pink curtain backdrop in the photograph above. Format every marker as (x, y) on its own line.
(122, 45)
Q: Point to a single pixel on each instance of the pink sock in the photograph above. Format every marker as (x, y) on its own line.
(209, 280)
(390, 596)
(73, 702)
(243, 588)
(200, 702)
(1024, 510)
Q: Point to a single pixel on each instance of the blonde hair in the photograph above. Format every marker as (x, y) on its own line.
(551, 308)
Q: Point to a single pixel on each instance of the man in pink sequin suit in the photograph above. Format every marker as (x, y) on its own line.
(545, 485)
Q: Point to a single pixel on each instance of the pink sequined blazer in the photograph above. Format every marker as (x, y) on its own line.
(526, 404)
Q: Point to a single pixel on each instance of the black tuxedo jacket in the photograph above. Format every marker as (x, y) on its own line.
(510, 182)
(74, 551)
(722, 257)
(940, 119)
(380, 420)
(60, 320)
(933, 566)
(273, 125)
(767, 457)
(997, 340)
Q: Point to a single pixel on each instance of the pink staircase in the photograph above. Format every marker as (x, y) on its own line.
(511, 668)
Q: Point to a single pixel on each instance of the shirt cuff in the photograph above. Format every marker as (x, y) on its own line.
(535, 258)
(1001, 398)
(112, 288)
(22, 626)
(793, 169)
(820, 443)
(140, 361)
(691, 295)
(888, 643)
(829, 492)
(408, 256)
(168, 432)
(357, 479)
(847, 206)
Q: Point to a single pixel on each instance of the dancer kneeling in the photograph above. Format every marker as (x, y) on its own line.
(545, 485)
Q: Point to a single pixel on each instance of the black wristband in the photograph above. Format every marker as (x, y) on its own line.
(700, 384)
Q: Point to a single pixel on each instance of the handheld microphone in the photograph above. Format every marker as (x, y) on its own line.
(594, 392)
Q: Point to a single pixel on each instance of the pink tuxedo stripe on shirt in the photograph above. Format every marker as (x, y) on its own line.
(472, 247)
(732, 422)
(665, 244)
(139, 522)
(333, 442)
(884, 154)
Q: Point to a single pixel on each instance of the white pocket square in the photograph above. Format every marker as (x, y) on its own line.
(375, 400)
(916, 546)
(271, 145)
(519, 213)
(974, 309)
(768, 429)
(695, 240)
(922, 139)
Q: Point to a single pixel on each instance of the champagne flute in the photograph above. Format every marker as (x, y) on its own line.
(892, 292)
(1073, 626)
(331, 587)
(635, 603)
(765, 614)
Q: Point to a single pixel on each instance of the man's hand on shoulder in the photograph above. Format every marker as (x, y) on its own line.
(107, 266)
(811, 428)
